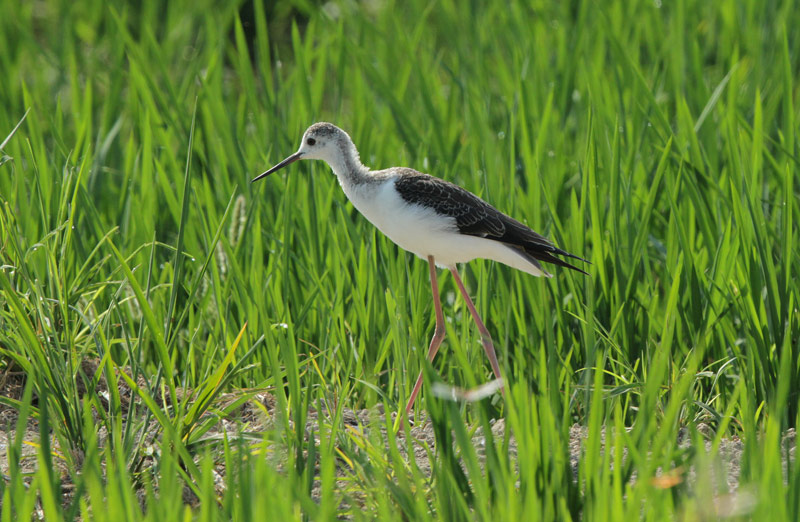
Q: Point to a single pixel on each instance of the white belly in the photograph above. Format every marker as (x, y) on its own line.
(424, 232)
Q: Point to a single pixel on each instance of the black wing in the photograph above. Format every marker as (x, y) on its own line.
(475, 217)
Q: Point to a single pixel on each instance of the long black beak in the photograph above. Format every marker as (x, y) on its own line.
(291, 159)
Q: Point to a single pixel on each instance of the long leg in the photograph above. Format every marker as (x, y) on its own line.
(438, 333)
(486, 339)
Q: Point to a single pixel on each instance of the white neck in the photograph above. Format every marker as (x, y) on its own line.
(348, 167)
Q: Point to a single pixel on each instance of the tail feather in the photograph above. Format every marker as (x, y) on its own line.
(536, 254)
(561, 252)
(547, 258)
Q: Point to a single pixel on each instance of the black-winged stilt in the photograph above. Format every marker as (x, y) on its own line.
(432, 218)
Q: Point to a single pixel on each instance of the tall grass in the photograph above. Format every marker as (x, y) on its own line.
(659, 141)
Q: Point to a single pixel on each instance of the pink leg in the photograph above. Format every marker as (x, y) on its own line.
(486, 339)
(438, 333)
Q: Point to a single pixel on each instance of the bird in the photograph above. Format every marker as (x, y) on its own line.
(434, 219)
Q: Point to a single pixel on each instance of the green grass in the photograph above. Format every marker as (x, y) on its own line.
(658, 141)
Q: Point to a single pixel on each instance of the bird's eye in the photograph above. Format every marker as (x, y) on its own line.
(311, 141)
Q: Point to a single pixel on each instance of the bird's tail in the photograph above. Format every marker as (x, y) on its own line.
(547, 253)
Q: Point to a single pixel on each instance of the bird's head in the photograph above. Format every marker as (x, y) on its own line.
(322, 141)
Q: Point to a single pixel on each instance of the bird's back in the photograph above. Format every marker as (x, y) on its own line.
(475, 217)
